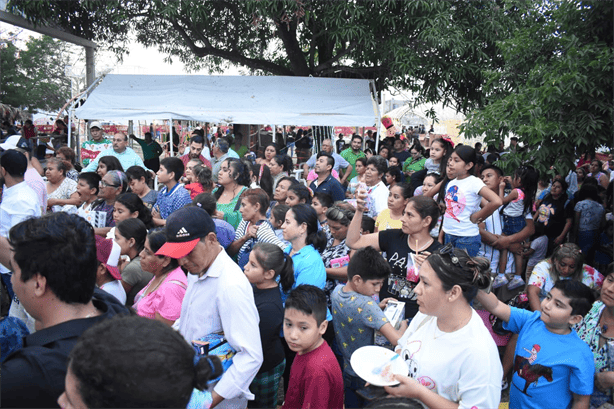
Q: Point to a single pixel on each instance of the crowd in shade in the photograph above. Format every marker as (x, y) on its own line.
(230, 275)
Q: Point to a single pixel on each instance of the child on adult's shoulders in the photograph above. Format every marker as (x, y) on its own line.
(553, 367)
(315, 377)
(356, 316)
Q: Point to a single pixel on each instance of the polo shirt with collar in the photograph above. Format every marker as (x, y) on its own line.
(19, 202)
(222, 299)
(349, 155)
(127, 159)
(33, 376)
(339, 161)
(331, 186)
(216, 164)
(169, 201)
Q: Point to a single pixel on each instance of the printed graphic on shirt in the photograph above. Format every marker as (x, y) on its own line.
(544, 213)
(408, 353)
(455, 203)
(531, 373)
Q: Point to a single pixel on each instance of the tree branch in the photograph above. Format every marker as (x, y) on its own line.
(287, 34)
(232, 56)
(337, 57)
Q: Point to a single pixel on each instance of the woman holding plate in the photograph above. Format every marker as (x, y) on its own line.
(453, 360)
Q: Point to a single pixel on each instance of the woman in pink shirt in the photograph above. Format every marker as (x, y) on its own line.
(162, 297)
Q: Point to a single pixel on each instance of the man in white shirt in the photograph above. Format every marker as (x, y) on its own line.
(219, 298)
(19, 202)
(126, 156)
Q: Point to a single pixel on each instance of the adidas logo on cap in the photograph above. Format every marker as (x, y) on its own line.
(182, 233)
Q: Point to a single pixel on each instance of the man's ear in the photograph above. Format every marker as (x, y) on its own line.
(40, 285)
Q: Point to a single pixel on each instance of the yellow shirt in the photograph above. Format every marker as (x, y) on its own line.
(385, 222)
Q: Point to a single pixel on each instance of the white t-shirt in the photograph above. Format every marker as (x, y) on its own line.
(377, 199)
(462, 366)
(116, 289)
(515, 208)
(462, 200)
(541, 278)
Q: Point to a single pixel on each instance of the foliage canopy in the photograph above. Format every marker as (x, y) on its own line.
(33, 77)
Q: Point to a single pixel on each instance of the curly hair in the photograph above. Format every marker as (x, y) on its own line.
(135, 362)
(60, 247)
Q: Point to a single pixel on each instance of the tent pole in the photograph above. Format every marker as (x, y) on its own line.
(170, 133)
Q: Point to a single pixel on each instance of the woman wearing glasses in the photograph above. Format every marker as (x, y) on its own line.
(336, 255)
(453, 361)
(406, 248)
(113, 184)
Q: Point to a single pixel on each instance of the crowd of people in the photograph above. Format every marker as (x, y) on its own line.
(120, 292)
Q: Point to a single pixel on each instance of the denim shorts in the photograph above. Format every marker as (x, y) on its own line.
(469, 243)
(513, 224)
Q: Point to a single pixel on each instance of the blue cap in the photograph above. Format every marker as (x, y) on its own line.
(184, 228)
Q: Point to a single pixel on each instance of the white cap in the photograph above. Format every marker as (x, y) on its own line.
(10, 142)
(95, 124)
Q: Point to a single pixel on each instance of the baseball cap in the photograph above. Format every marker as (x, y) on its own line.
(95, 124)
(184, 228)
(14, 142)
(108, 252)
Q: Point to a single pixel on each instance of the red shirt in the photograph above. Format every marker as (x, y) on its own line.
(195, 189)
(315, 381)
(186, 158)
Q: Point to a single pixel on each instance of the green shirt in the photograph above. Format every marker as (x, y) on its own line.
(416, 165)
(351, 157)
(150, 151)
(242, 151)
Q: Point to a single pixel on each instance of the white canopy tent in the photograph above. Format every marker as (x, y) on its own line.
(234, 99)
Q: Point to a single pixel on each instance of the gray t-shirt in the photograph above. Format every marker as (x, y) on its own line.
(136, 277)
(356, 318)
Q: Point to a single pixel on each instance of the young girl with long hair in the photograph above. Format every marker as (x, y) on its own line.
(268, 263)
(517, 204)
(461, 193)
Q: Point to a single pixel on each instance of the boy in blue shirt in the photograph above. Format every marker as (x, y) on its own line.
(553, 367)
(173, 195)
(356, 316)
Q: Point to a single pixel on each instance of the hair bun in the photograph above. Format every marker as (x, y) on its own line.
(482, 271)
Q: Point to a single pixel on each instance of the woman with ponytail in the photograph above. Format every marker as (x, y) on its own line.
(306, 243)
(133, 362)
(447, 337)
(266, 263)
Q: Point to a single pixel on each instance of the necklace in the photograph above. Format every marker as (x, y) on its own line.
(419, 249)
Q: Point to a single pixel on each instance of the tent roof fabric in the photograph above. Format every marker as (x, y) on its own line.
(233, 99)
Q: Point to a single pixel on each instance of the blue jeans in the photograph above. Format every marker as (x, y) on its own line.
(469, 243)
(350, 385)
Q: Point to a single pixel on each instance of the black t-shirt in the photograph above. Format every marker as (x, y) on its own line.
(271, 311)
(552, 216)
(33, 376)
(394, 243)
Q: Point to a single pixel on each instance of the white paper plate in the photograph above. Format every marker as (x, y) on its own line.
(365, 359)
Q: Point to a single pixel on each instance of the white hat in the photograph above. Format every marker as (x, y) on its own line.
(95, 124)
(10, 142)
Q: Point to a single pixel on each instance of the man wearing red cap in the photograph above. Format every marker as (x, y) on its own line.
(219, 298)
